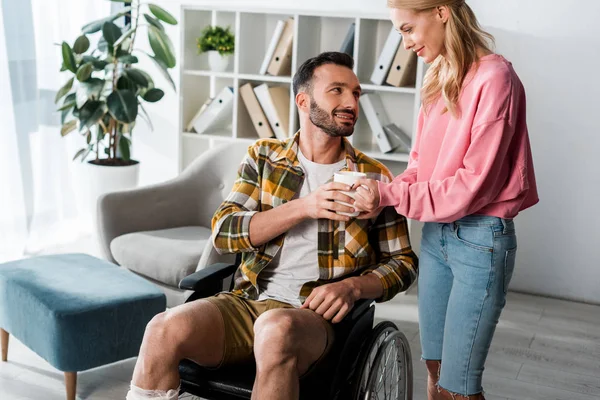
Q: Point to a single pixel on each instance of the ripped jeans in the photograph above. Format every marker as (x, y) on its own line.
(464, 271)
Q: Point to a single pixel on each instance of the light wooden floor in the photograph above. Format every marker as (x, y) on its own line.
(544, 349)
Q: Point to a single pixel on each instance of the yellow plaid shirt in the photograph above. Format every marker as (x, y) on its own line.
(269, 176)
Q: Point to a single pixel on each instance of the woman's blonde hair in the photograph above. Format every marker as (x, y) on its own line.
(464, 37)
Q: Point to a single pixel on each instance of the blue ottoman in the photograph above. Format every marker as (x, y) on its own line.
(75, 311)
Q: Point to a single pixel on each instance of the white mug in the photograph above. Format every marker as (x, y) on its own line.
(349, 178)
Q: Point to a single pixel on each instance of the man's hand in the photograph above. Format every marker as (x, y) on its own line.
(367, 197)
(334, 300)
(320, 203)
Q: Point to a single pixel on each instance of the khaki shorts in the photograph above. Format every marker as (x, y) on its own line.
(239, 315)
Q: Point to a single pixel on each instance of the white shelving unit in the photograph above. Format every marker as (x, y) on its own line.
(314, 33)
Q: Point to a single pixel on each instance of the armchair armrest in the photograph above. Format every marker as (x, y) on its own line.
(207, 277)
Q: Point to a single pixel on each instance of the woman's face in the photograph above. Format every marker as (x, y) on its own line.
(422, 32)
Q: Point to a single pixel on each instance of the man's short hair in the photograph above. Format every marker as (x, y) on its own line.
(304, 75)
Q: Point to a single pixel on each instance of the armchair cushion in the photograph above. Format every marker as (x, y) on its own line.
(165, 255)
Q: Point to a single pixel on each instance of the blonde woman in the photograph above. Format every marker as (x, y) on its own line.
(470, 173)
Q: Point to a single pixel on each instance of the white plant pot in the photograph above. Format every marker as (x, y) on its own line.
(217, 62)
(97, 180)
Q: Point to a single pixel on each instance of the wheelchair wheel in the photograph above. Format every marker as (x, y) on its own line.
(384, 369)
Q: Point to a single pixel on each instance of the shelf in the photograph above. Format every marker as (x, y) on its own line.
(265, 78)
(194, 72)
(391, 89)
(314, 32)
(372, 150)
(224, 136)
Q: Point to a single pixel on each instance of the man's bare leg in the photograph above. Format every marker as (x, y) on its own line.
(193, 330)
(286, 343)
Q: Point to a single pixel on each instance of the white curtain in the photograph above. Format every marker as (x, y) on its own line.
(38, 180)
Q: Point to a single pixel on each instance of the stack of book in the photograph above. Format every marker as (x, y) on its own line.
(389, 136)
(395, 66)
(269, 109)
(278, 58)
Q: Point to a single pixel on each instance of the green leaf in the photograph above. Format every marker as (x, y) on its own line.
(163, 69)
(148, 78)
(154, 22)
(153, 95)
(124, 148)
(162, 14)
(68, 58)
(162, 46)
(63, 116)
(68, 127)
(63, 90)
(91, 113)
(88, 137)
(124, 36)
(125, 83)
(136, 76)
(66, 106)
(110, 32)
(95, 26)
(85, 72)
(81, 44)
(123, 105)
(102, 45)
(98, 64)
(89, 90)
(128, 59)
(78, 154)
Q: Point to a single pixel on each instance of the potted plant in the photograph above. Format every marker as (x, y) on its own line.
(219, 43)
(105, 95)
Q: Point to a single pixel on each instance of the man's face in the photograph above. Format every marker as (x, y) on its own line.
(334, 100)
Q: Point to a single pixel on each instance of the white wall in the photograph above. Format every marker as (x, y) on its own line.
(555, 48)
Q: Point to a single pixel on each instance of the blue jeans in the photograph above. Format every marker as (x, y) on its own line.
(464, 271)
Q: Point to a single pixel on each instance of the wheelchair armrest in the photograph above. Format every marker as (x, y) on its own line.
(207, 277)
(360, 307)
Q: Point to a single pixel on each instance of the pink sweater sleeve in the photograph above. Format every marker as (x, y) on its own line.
(471, 187)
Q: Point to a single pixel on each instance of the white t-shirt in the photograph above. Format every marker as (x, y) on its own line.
(296, 263)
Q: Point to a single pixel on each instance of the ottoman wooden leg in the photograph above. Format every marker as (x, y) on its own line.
(71, 384)
(4, 339)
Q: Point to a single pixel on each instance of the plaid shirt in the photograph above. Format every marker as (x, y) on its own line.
(271, 175)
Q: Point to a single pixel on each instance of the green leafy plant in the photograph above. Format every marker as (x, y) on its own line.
(105, 95)
(216, 38)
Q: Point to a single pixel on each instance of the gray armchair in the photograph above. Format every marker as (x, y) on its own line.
(162, 232)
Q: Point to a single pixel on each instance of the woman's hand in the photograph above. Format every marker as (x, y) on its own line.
(366, 198)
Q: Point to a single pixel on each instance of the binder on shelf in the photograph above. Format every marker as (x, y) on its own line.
(281, 62)
(275, 102)
(258, 117)
(190, 126)
(403, 71)
(272, 45)
(377, 117)
(348, 43)
(217, 113)
(398, 138)
(386, 57)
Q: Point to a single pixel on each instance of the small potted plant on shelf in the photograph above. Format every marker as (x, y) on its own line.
(105, 95)
(219, 43)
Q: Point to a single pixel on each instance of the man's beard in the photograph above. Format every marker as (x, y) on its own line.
(321, 119)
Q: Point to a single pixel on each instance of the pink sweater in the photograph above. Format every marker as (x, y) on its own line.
(478, 163)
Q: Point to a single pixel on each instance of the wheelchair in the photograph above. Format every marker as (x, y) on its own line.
(364, 363)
